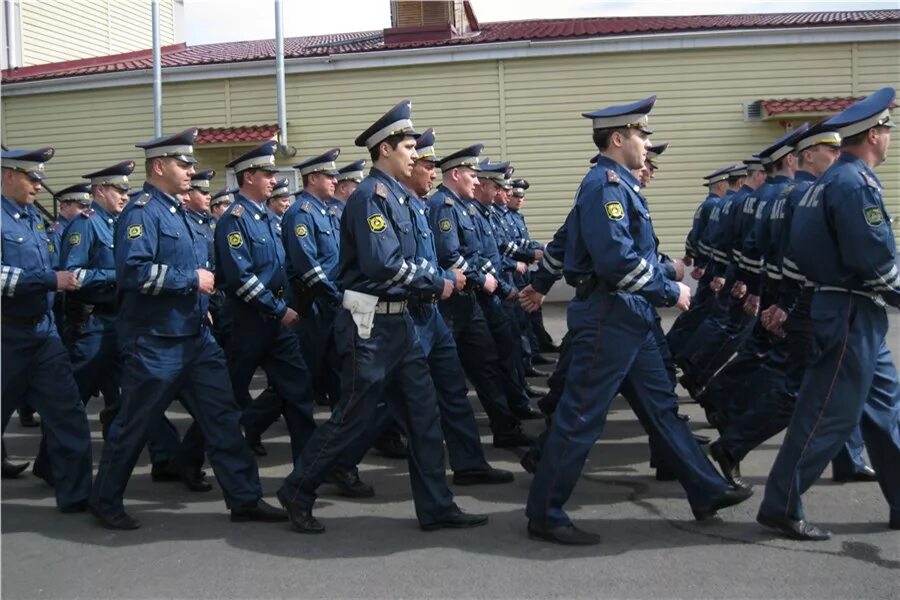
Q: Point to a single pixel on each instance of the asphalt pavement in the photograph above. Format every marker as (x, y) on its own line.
(651, 546)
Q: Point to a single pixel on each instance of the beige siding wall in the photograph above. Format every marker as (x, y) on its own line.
(527, 110)
(60, 30)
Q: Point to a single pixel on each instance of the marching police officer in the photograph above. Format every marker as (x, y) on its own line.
(378, 272)
(611, 258)
(278, 202)
(35, 363)
(72, 201)
(348, 179)
(163, 288)
(251, 266)
(219, 203)
(849, 255)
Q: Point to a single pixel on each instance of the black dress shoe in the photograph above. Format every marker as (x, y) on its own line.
(894, 521)
(568, 535)
(76, 507)
(28, 419)
(456, 519)
(530, 461)
(532, 372)
(512, 439)
(547, 404)
(349, 484)
(664, 473)
(691, 387)
(121, 520)
(41, 470)
(866, 473)
(301, 519)
(683, 417)
(526, 413)
(194, 479)
(729, 497)
(391, 446)
(549, 348)
(258, 511)
(164, 471)
(254, 441)
(731, 469)
(540, 359)
(796, 530)
(13, 470)
(486, 476)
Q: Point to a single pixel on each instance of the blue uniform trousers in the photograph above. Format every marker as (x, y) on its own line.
(478, 354)
(613, 345)
(686, 323)
(851, 379)
(260, 342)
(316, 336)
(37, 371)
(506, 337)
(390, 358)
(155, 370)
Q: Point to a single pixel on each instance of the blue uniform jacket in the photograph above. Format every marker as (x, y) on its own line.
(27, 277)
(311, 235)
(337, 208)
(509, 241)
(727, 243)
(693, 247)
(157, 256)
(456, 236)
(202, 225)
(425, 248)
(792, 280)
(550, 269)
(610, 236)
(250, 258)
(757, 244)
(378, 243)
(841, 232)
(88, 250)
(490, 249)
(517, 219)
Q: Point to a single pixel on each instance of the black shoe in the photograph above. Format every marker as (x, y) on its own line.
(568, 535)
(731, 469)
(866, 473)
(512, 439)
(663, 473)
(729, 497)
(540, 359)
(254, 441)
(532, 372)
(42, 471)
(194, 479)
(456, 519)
(76, 507)
(488, 475)
(683, 417)
(796, 530)
(27, 419)
(349, 484)
(301, 519)
(13, 470)
(121, 520)
(713, 418)
(532, 393)
(526, 413)
(258, 511)
(391, 446)
(164, 471)
(894, 522)
(691, 387)
(549, 348)
(529, 462)
(547, 404)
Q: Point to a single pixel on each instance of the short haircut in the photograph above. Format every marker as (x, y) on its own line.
(391, 140)
(602, 137)
(854, 140)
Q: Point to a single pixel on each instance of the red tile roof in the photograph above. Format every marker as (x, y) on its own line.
(235, 135)
(502, 31)
(777, 106)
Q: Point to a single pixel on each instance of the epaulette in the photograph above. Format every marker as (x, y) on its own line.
(380, 190)
(334, 211)
(88, 213)
(237, 211)
(449, 201)
(472, 210)
(306, 206)
(870, 181)
(53, 228)
(612, 177)
(142, 199)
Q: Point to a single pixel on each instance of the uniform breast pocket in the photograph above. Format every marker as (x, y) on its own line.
(262, 247)
(406, 237)
(326, 240)
(169, 241)
(14, 248)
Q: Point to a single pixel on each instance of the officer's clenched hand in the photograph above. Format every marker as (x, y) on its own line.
(751, 305)
(530, 299)
(448, 289)
(538, 254)
(684, 297)
(460, 279)
(773, 319)
(490, 283)
(697, 273)
(66, 281)
(678, 264)
(290, 318)
(513, 294)
(717, 284)
(739, 289)
(521, 267)
(206, 283)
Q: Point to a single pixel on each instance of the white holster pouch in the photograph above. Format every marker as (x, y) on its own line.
(362, 309)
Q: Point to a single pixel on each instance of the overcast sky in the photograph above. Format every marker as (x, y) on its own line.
(208, 21)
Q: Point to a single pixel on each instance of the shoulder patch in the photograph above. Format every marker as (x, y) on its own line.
(445, 225)
(870, 181)
(306, 206)
(874, 216)
(449, 201)
(380, 190)
(612, 177)
(235, 240)
(301, 230)
(614, 209)
(39, 226)
(237, 211)
(377, 223)
(74, 239)
(472, 211)
(142, 199)
(135, 231)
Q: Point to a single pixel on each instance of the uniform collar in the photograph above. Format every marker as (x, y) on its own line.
(14, 210)
(781, 179)
(805, 176)
(395, 186)
(313, 200)
(453, 195)
(202, 217)
(258, 211)
(172, 201)
(624, 174)
(102, 212)
(852, 159)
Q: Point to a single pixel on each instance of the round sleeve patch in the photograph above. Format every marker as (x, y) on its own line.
(135, 231)
(377, 223)
(614, 210)
(874, 216)
(74, 239)
(235, 240)
(445, 225)
(301, 230)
